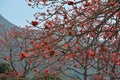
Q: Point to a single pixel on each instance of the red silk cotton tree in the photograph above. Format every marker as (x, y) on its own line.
(75, 39)
(80, 39)
(14, 46)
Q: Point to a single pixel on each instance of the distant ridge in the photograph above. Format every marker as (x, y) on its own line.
(5, 24)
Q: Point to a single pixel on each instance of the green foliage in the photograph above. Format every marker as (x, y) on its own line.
(4, 67)
(8, 77)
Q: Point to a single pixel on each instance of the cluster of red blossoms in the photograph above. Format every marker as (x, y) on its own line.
(35, 23)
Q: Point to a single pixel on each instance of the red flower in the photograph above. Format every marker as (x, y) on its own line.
(100, 77)
(52, 52)
(92, 54)
(47, 71)
(76, 65)
(96, 1)
(69, 56)
(114, 55)
(70, 2)
(11, 34)
(23, 55)
(106, 58)
(66, 45)
(118, 63)
(30, 0)
(44, 1)
(87, 4)
(118, 14)
(54, 73)
(82, 24)
(35, 23)
(6, 58)
(43, 43)
(32, 42)
(70, 33)
(36, 46)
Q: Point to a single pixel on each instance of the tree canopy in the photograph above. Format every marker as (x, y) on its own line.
(71, 39)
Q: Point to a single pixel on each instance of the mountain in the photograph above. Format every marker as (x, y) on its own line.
(5, 24)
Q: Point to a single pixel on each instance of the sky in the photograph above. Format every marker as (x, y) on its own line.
(17, 11)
